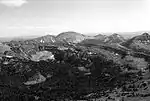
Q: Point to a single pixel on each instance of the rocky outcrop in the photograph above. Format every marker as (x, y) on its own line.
(35, 79)
(42, 55)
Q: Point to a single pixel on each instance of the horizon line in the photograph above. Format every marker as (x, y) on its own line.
(88, 34)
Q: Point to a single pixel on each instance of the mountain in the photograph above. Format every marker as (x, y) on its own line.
(144, 37)
(44, 39)
(4, 39)
(103, 39)
(17, 38)
(129, 35)
(100, 37)
(114, 38)
(70, 36)
(139, 43)
(23, 38)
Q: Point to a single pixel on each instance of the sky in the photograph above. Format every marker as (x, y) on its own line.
(41, 17)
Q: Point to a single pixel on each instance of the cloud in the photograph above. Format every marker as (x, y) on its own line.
(13, 3)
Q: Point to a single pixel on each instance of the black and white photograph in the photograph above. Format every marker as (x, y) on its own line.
(74, 50)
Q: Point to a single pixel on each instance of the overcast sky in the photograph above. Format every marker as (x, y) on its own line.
(39, 17)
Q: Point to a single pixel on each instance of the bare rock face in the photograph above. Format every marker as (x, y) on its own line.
(37, 78)
(72, 37)
(83, 69)
(43, 55)
(4, 48)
